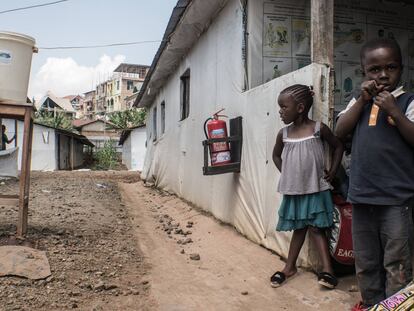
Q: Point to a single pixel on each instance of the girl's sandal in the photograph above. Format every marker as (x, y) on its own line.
(327, 280)
(277, 279)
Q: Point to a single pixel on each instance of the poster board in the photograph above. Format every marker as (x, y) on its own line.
(280, 35)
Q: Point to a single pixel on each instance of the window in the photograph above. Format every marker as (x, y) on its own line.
(163, 117)
(130, 84)
(185, 95)
(142, 73)
(154, 123)
(117, 85)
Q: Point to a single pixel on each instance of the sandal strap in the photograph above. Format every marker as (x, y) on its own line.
(278, 276)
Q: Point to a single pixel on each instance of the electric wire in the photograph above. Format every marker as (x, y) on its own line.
(97, 46)
(32, 6)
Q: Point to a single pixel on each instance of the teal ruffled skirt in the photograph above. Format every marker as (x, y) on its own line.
(300, 211)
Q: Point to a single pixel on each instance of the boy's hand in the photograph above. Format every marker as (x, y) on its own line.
(370, 89)
(386, 101)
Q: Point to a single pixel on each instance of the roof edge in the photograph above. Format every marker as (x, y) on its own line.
(175, 18)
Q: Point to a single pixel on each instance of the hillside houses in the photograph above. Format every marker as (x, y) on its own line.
(112, 94)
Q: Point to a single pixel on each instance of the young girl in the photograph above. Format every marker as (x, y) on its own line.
(307, 204)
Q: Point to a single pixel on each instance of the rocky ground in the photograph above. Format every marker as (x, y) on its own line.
(199, 263)
(79, 220)
(114, 243)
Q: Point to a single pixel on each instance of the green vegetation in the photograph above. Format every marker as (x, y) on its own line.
(106, 157)
(54, 119)
(122, 120)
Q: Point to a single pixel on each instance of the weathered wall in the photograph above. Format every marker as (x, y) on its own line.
(248, 200)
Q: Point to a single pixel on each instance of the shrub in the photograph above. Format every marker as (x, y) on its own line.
(106, 157)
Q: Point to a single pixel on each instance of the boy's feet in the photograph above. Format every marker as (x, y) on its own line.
(327, 280)
(359, 307)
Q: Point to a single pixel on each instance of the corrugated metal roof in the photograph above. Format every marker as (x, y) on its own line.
(83, 139)
(81, 123)
(130, 68)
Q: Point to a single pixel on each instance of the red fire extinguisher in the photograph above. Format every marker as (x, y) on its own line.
(216, 128)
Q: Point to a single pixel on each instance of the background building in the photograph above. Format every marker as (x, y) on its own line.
(115, 93)
(51, 103)
(89, 104)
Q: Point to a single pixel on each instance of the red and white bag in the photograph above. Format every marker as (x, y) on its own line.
(340, 234)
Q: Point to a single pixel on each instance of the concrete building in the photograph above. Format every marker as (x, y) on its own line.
(97, 132)
(77, 103)
(112, 94)
(52, 149)
(89, 104)
(134, 146)
(130, 100)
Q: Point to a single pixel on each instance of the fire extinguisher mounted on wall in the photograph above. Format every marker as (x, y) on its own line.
(216, 128)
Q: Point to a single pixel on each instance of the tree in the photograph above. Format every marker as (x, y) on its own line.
(56, 119)
(122, 120)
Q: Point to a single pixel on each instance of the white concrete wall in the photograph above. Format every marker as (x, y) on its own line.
(138, 149)
(134, 149)
(43, 147)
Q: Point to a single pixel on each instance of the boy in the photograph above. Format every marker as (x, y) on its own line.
(381, 118)
(4, 139)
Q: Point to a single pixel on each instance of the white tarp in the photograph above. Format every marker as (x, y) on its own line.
(248, 200)
(8, 162)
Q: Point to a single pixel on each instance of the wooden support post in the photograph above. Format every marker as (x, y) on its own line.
(322, 18)
(15, 133)
(21, 111)
(1, 133)
(71, 153)
(25, 174)
(322, 31)
(29, 163)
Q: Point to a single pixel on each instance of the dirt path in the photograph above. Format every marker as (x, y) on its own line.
(232, 272)
(79, 220)
(114, 244)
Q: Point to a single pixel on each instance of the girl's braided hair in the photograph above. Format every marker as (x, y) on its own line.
(301, 94)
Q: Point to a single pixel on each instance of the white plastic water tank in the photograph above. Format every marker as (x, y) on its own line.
(16, 52)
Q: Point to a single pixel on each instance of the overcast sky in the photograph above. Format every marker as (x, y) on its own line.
(80, 23)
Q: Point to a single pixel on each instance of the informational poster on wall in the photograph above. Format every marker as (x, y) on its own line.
(286, 38)
(287, 34)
